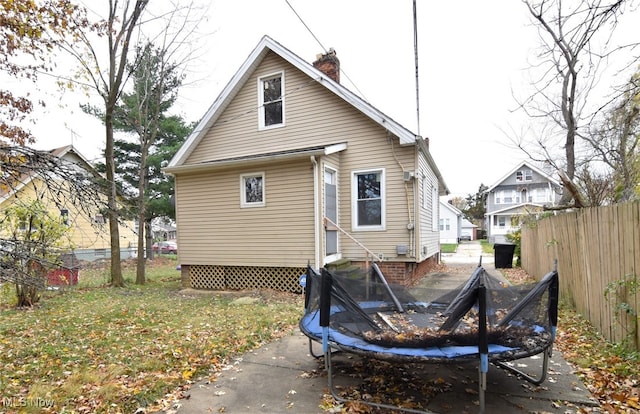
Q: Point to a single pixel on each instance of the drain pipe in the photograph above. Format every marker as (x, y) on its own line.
(316, 222)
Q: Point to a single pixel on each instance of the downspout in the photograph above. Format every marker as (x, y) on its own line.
(316, 221)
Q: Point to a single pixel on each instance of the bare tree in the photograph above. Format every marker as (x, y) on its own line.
(575, 40)
(616, 142)
(109, 80)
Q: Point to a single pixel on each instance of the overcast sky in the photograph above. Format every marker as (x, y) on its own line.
(472, 54)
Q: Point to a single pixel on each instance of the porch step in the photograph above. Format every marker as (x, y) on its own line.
(339, 264)
(345, 267)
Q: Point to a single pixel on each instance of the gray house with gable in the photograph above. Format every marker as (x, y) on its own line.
(524, 190)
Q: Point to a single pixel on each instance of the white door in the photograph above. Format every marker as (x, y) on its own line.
(331, 212)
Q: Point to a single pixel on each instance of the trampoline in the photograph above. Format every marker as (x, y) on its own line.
(484, 320)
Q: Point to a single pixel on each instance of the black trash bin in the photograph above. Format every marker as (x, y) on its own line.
(503, 255)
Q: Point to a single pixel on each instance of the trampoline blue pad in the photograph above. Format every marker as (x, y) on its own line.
(310, 325)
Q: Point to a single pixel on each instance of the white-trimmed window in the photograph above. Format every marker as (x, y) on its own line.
(541, 195)
(524, 175)
(271, 101)
(445, 224)
(368, 195)
(252, 190)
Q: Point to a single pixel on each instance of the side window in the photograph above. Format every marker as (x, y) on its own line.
(64, 215)
(271, 101)
(252, 190)
(368, 209)
(434, 208)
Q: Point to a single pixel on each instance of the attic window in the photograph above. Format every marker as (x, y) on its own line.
(271, 102)
(524, 175)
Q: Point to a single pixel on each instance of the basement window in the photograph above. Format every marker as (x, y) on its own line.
(271, 101)
(252, 190)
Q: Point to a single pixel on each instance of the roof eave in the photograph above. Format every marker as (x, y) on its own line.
(237, 162)
(265, 45)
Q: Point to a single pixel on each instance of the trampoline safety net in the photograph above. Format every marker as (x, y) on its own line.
(363, 313)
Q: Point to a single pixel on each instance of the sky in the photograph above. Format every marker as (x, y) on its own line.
(472, 56)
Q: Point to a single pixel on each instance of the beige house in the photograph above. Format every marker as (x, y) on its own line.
(289, 167)
(89, 230)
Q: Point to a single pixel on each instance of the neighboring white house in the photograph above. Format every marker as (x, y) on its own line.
(450, 223)
(524, 190)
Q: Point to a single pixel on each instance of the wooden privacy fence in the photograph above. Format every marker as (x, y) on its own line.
(598, 253)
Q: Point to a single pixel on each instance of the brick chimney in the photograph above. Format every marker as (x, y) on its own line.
(329, 64)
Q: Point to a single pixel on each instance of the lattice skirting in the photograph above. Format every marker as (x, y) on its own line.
(286, 279)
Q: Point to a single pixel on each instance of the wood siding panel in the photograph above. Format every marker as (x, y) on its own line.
(308, 105)
(314, 116)
(429, 240)
(213, 229)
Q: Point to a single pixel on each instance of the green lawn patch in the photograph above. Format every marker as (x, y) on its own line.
(448, 247)
(486, 246)
(94, 348)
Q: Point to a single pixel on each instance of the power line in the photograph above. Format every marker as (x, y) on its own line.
(415, 51)
(305, 25)
(343, 72)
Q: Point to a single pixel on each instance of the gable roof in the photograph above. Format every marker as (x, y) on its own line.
(451, 207)
(467, 224)
(67, 152)
(520, 166)
(265, 46)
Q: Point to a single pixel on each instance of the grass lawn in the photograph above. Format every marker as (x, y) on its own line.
(448, 248)
(94, 348)
(97, 349)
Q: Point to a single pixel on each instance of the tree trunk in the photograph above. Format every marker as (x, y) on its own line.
(116, 269)
(142, 186)
(149, 238)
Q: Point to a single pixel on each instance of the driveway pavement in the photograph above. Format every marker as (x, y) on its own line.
(283, 377)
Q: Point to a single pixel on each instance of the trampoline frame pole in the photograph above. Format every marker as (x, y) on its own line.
(483, 344)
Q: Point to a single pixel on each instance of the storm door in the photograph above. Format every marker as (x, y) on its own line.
(331, 211)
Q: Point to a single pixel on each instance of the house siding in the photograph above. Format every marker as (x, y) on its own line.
(517, 206)
(214, 232)
(370, 148)
(452, 235)
(213, 229)
(308, 106)
(88, 240)
(429, 242)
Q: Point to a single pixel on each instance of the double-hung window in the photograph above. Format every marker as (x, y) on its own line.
(524, 175)
(271, 101)
(252, 190)
(368, 195)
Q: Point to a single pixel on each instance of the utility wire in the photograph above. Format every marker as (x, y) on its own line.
(343, 72)
(415, 50)
(305, 25)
